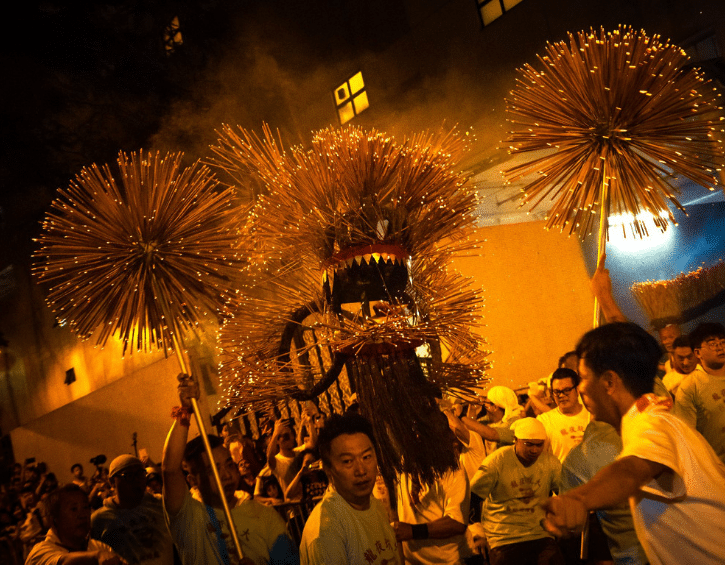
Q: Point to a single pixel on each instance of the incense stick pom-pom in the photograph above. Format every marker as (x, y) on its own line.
(152, 253)
(616, 98)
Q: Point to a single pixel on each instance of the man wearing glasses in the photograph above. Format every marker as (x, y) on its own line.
(700, 400)
(566, 423)
(132, 520)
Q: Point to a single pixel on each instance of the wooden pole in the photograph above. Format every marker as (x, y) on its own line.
(602, 241)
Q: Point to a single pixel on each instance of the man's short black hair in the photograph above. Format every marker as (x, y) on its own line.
(194, 449)
(336, 425)
(75, 465)
(682, 341)
(626, 349)
(564, 373)
(564, 357)
(55, 498)
(705, 331)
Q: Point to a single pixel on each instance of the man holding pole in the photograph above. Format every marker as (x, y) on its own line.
(201, 530)
(673, 479)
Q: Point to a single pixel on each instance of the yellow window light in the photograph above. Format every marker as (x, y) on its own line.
(351, 98)
(490, 10)
(172, 36)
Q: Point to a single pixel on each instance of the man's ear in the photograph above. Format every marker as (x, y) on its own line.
(611, 382)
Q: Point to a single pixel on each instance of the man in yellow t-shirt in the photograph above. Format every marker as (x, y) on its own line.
(566, 423)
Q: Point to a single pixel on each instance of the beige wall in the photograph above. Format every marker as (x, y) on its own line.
(104, 422)
(538, 301)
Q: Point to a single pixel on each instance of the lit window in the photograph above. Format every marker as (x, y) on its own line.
(351, 98)
(172, 36)
(489, 10)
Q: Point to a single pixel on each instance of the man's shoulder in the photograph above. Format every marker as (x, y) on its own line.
(331, 502)
(549, 461)
(190, 507)
(328, 511)
(101, 515)
(333, 507)
(499, 457)
(104, 515)
(697, 378)
(547, 418)
(256, 511)
(649, 422)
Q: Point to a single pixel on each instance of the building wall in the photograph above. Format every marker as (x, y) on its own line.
(104, 421)
(538, 301)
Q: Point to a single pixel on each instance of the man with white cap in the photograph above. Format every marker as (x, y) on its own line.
(502, 408)
(132, 520)
(514, 481)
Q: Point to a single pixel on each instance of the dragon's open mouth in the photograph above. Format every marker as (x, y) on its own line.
(366, 273)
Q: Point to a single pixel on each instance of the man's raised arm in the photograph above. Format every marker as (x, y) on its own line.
(175, 486)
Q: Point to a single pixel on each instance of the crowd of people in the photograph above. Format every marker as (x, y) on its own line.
(616, 457)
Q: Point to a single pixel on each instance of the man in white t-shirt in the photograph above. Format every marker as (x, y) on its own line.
(199, 528)
(349, 526)
(683, 362)
(513, 482)
(566, 423)
(700, 399)
(673, 479)
(132, 520)
(502, 409)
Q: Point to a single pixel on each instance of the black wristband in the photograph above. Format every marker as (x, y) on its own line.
(420, 531)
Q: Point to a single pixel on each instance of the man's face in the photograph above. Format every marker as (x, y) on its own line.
(77, 472)
(130, 485)
(564, 393)
(154, 486)
(712, 353)
(353, 468)
(285, 439)
(668, 334)
(27, 499)
(528, 450)
(495, 413)
(595, 397)
(228, 473)
(243, 466)
(684, 360)
(319, 421)
(74, 518)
